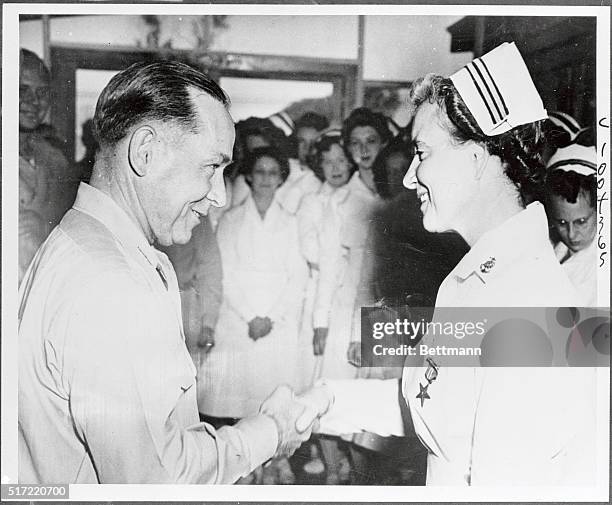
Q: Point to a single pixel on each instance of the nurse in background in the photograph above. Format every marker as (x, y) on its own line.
(333, 167)
(264, 275)
(571, 200)
(477, 172)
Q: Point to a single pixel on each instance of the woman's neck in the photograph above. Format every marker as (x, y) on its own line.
(367, 177)
(262, 203)
(497, 207)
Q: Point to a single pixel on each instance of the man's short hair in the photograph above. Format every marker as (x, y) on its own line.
(150, 91)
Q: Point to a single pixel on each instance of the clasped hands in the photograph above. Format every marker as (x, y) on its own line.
(296, 416)
(259, 327)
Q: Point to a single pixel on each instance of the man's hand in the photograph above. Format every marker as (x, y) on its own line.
(206, 340)
(317, 400)
(294, 416)
(318, 340)
(353, 353)
(259, 327)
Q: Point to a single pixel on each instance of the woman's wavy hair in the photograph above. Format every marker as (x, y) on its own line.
(379, 167)
(270, 152)
(519, 149)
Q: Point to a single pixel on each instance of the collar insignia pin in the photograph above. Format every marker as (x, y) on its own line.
(486, 267)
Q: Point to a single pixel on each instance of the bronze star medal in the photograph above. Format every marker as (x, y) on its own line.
(423, 395)
(431, 375)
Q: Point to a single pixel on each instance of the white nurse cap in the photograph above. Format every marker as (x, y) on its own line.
(498, 91)
(574, 158)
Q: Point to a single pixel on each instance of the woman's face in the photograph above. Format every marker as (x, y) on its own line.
(336, 167)
(441, 173)
(364, 145)
(305, 138)
(265, 177)
(396, 167)
(576, 223)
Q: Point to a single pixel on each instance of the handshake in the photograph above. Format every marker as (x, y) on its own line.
(296, 416)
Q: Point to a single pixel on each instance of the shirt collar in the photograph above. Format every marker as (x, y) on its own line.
(102, 207)
(523, 233)
(327, 189)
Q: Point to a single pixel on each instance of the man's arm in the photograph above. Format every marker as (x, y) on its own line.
(132, 397)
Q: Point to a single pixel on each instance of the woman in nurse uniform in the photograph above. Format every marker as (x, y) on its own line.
(264, 277)
(477, 172)
(571, 204)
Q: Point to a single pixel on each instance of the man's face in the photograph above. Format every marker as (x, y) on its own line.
(576, 222)
(186, 176)
(33, 98)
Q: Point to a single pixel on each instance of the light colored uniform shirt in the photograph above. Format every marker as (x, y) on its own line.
(501, 426)
(106, 385)
(581, 268)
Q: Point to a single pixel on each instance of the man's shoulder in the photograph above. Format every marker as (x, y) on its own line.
(91, 241)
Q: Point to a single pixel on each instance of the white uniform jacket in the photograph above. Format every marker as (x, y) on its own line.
(581, 268)
(501, 426)
(264, 274)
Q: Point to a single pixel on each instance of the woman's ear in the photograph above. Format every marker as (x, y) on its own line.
(480, 158)
(140, 150)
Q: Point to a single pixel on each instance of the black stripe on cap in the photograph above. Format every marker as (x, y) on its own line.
(501, 117)
(501, 97)
(564, 163)
(571, 128)
(467, 67)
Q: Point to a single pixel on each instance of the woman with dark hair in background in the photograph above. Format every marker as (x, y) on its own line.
(264, 275)
(571, 205)
(308, 127)
(343, 236)
(477, 171)
(261, 132)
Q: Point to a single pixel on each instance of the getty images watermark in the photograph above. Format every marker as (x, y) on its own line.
(485, 336)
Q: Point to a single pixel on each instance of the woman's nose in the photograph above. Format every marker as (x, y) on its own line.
(410, 177)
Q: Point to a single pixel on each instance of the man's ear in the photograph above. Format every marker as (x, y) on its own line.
(140, 150)
(480, 158)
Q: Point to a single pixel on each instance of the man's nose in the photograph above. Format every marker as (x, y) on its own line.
(572, 231)
(410, 177)
(217, 194)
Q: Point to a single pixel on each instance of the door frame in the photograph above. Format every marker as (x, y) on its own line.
(66, 59)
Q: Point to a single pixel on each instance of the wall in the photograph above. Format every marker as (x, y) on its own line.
(397, 48)
(402, 48)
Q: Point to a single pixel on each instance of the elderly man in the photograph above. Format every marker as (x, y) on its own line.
(106, 386)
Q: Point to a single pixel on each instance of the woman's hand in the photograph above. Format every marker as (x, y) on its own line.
(318, 340)
(353, 354)
(259, 327)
